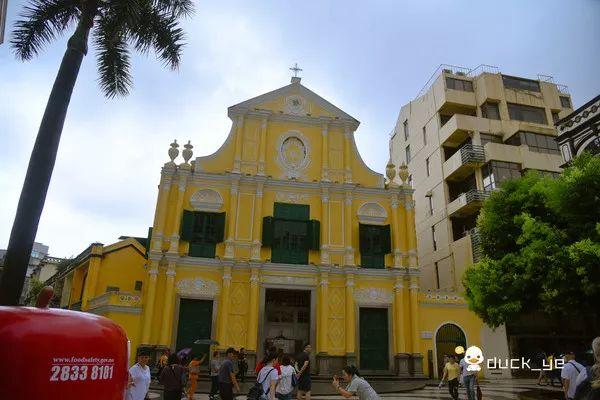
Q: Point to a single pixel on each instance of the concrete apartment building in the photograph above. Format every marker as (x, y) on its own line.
(465, 133)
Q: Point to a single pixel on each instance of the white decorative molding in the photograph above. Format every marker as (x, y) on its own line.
(426, 335)
(197, 287)
(290, 197)
(288, 280)
(372, 213)
(296, 105)
(206, 200)
(293, 154)
(373, 296)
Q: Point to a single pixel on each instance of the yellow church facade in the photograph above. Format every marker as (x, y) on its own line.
(282, 237)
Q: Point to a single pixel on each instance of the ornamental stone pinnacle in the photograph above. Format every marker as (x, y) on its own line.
(187, 152)
(173, 151)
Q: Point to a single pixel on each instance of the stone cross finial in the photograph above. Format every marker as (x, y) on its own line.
(173, 151)
(187, 152)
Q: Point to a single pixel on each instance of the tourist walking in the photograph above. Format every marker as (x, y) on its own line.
(171, 378)
(287, 379)
(357, 386)
(227, 380)
(139, 378)
(162, 361)
(588, 382)
(469, 379)
(451, 374)
(304, 381)
(194, 374)
(541, 361)
(242, 365)
(569, 373)
(215, 365)
(267, 378)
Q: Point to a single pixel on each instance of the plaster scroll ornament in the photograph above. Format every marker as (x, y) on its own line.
(197, 287)
(296, 105)
(173, 151)
(373, 296)
(372, 213)
(293, 154)
(206, 200)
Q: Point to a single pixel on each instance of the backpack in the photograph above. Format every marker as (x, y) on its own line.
(256, 391)
(584, 389)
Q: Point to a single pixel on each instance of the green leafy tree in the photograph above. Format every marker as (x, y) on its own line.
(541, 245)
(35, 287)
(116, 27)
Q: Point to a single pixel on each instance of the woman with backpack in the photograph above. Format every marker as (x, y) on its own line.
(266, 381)
(287, 379)
(357, 386)
(588, 380)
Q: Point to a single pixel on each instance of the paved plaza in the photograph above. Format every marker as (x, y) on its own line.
(515, 389)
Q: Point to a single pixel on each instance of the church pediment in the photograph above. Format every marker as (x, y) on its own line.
(293, 100)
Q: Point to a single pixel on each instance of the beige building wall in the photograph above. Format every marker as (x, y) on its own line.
(434, 173)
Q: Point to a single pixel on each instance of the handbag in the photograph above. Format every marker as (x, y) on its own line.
(479, 393)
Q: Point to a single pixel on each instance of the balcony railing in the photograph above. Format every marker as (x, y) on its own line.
(476, 248)
(467, 203)
(477, 195)
(472, 154)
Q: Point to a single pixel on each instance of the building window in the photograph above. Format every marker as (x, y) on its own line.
(489, 138)
(112, 289)
(555, 117)
(524, 113)
(203, 230)
(496, 172)
(459, 84)
(444, 118)
(427, 165)
(490, 110)
(437, 275)
(512, 82)
(434, 241)
(565, 102)
(375, 243)
(138, 285)
(407, 154)
(536, 142)
(424, 136)
(405, 124)
(290, 233)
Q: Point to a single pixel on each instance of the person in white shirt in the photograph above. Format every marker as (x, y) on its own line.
(268, 377)
(469, 379)
(139, 378)
(285, 385)
(569, 374)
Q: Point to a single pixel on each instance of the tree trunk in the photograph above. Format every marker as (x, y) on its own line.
(41, 164)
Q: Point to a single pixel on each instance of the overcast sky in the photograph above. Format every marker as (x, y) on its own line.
(368, 58)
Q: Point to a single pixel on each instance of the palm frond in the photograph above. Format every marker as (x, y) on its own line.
(40, 23)
(161, 31)
(113, 57)
(179, 8)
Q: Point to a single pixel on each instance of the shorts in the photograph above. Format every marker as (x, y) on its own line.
(226, 391)
(304, 383)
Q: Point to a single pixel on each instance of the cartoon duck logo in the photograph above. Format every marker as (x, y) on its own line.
(473, 357)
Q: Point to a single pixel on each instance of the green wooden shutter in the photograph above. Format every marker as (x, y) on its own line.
(386, 239)
(219, 227)
(363, 236)
(297, 212)
(187, 225)
(267, 231)
(314, 235)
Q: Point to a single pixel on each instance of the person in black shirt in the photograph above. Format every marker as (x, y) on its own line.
(304, 382)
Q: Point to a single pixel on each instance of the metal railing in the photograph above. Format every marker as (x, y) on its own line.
(481, 68)
(453, 69)
(476, 195)
(476, 248)
(472, 153)
(564, 89)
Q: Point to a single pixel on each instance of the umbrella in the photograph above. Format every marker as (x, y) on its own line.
(206, 341)
(184, 352)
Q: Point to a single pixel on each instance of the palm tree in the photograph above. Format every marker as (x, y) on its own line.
(116, 27)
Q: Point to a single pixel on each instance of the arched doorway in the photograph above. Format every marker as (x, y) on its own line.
(447, 337)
